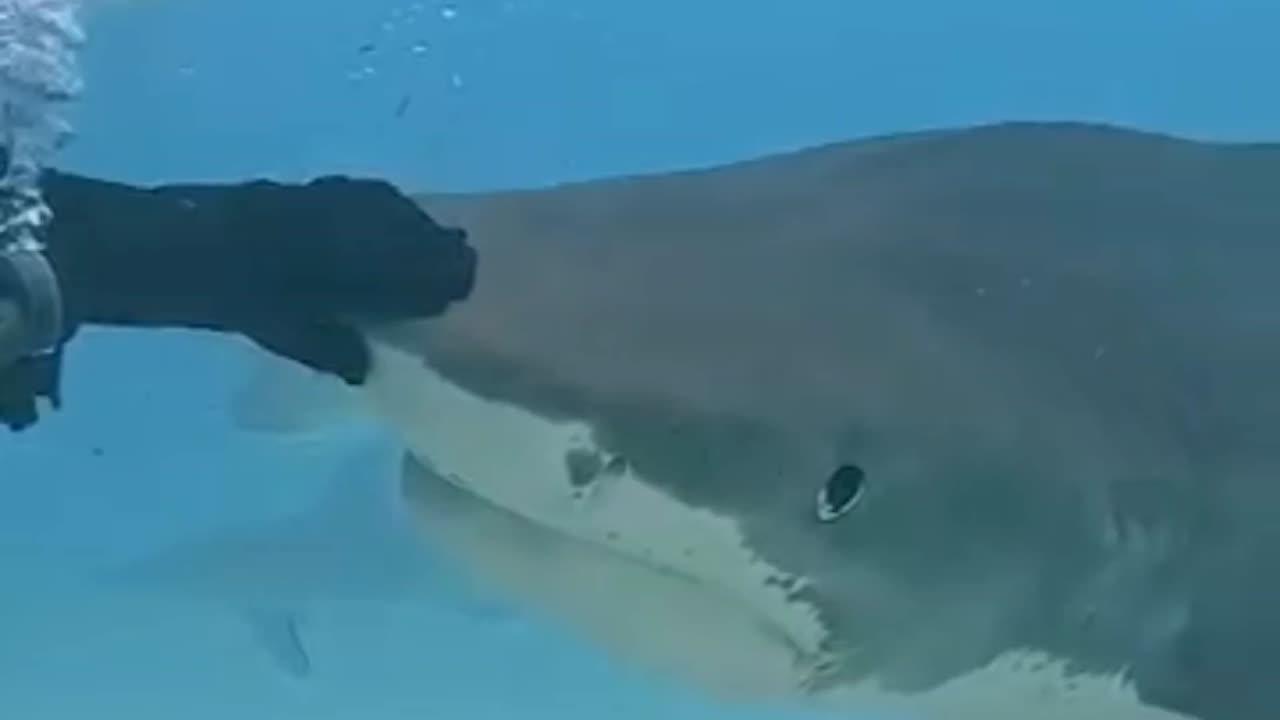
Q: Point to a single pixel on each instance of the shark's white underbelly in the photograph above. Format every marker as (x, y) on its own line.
(651, 620)
(518, 461)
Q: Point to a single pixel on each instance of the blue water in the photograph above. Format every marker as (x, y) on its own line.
(504, 93)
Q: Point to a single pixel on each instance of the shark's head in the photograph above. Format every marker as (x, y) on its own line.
(924, 405)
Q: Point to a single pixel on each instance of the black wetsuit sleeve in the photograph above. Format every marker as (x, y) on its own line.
(294, 267)
(230, 257)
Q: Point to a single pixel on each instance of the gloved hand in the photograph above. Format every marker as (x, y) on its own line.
(295, 267)
(22, 383)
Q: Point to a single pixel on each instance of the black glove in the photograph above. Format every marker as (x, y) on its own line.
(23, 383)
(294, 267)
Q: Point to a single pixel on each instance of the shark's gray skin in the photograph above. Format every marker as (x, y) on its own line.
(1052, 349)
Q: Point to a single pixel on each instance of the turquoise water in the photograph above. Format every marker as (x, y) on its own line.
(461, 96)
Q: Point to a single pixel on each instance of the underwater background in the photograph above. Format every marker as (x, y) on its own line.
(456, 96)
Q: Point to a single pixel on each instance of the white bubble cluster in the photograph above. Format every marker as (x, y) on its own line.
(39, 73)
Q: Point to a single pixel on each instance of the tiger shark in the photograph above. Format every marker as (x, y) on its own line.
(978, 422)
(352, 546)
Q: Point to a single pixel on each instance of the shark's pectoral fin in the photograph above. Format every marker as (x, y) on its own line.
(279, 633)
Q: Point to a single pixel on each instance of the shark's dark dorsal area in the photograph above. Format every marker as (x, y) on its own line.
(1049, 348)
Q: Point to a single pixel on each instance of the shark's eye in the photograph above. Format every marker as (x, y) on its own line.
(841, 492)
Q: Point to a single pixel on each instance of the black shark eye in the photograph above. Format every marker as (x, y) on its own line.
(841, 492)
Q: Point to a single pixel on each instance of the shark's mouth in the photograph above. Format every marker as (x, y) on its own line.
(554, 475)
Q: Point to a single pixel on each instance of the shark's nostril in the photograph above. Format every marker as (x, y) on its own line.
(841, 492)
(586, 467)
(583, 467)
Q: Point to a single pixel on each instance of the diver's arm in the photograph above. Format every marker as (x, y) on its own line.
(292, 266)
(223, 256)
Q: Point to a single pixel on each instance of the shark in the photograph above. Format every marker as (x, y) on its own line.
(972, 422)
(354, 545)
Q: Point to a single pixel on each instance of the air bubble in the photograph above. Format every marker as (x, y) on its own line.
(39, 40)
